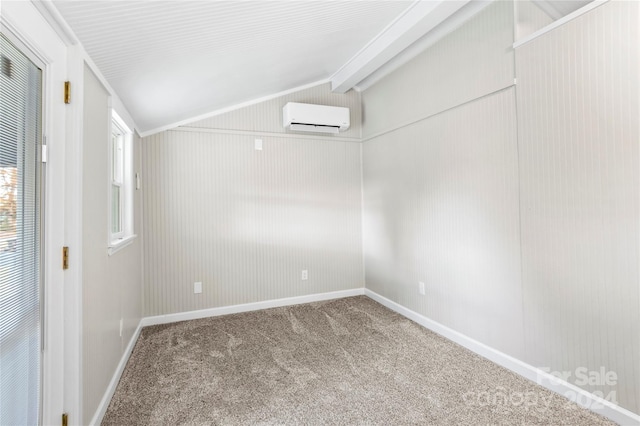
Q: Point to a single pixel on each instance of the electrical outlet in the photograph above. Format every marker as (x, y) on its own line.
(421, 288)
(258, 144)
(305, 275)
(197, 287)
(121, 325)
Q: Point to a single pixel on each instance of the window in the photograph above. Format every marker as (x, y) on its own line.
(121, 188)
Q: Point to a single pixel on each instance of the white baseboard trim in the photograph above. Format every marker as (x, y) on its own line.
(580, 396)
(246, 307)
(113, 384)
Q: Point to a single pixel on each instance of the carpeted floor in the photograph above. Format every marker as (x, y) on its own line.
(346, 361)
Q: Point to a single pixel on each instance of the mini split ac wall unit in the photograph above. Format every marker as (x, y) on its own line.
(315, 118)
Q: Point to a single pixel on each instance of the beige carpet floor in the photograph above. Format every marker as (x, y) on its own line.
(347, 361)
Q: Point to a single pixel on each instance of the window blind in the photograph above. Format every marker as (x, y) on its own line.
(20, 328)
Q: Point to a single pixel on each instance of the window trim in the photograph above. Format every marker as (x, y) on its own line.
(118, 136)
(125, 236)
(121, 243)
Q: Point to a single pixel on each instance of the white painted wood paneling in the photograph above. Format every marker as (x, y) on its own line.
(441, 207)
(267, 116)
(244, 222)
(472, 61)
(578, 93)
(111, 285)
(100, 302)
(443, 199)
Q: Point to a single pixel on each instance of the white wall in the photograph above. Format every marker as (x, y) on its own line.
(516, 205)
(441, 207)
(441, 194)
(111, 288)
(578, 125)
(471, 62)
(244, 222)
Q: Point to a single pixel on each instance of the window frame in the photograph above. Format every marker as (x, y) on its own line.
(121, 176)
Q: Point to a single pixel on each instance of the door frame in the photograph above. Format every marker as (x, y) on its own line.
(22, 23)
(41, 191)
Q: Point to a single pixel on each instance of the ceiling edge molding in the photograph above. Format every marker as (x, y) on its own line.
(432, 37)
(224, 110)
(51, 14)
(416, 21)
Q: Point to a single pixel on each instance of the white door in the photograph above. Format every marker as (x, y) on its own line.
(21, 340)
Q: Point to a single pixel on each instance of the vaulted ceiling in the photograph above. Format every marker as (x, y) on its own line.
(174, 61)
(171, 60)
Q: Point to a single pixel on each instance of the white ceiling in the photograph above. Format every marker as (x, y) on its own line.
(173, 60)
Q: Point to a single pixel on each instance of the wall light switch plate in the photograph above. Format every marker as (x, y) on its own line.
(421, 289)
(305, 275)
(258, 144)
(197, 287)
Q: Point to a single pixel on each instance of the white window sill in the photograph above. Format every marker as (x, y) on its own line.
(119, 244)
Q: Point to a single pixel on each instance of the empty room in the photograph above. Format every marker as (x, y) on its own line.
(373, 212)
